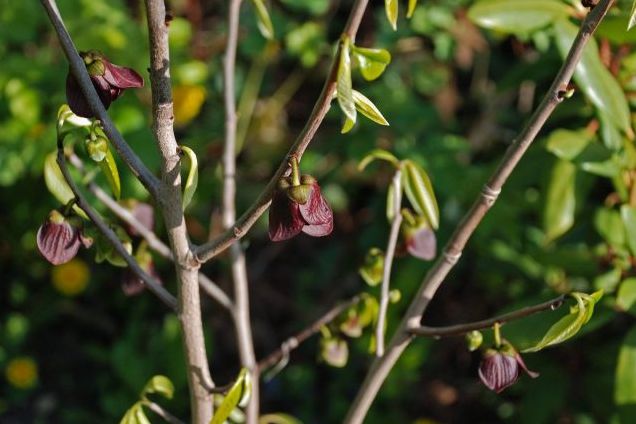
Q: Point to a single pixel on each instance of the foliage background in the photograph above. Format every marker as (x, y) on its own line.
(455, 96)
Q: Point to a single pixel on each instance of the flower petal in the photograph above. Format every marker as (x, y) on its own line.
(285, 220)
(317, 211)
(122, 77)
(58, 243)
(319, 230)
(422, 244)
(75, 98)
(519, 359)
(498, 371)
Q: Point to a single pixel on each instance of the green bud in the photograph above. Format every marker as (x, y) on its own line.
(474, 339)
(97, 148)
(300, 193)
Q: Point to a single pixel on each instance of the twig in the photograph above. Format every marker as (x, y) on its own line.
(241, 310)
(452, 251)
(152, 284)
(388, 262)
(461, 329)
(296, 340)
(169, 201)
(154, 242)
(159, 410)
(78, 69)
(212, 248)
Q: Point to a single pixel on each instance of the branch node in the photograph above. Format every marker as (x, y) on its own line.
(452, 258)
(490, 194)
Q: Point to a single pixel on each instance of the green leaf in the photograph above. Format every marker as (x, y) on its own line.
(625, 383)
(419, 191)
(344, 86)
(411, 8)
(567, 144)
(109, 168)
(607, 168)
(56, 184)
(391, 207)
(596, 82)
(264, 21)
(378, 154)
(192, 180)
(135, 415)
(159, 384)
(278, 418)
(346, 127)
(628, 215)
(238, 395)
(372, 62)
(609, 224)
(611, 136)
(608, 280)
(626, 296)
(391, 8)
(632, 17)
(520, 17)
(558, 214)
(372, 269)
(367, 108)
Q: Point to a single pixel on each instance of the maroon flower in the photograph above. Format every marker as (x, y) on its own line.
(108, 79)
(499, 368)
(143, 213)
(418, 236)
(297, 208)
(59, 238)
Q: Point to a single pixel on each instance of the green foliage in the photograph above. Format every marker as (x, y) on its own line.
(192, 178)
(238, 395)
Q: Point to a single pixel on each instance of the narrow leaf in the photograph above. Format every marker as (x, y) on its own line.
(265, 25)
(159, 384)
(135, 415)
(419, 191)
(232, 399)
(344, 85)
(391, 207)
(368, 109)
(372, 62)
(632, 16)
(411, 8)
(625, 386)
(378, 154)
(628, 215)
(109, 168)
(558, 214)
(278, 418)
(192, 180)
(520, 17)
(346, 127)
(391, 7)
(56, 184)
(565, 328)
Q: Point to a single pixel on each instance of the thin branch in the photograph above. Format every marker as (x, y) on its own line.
(388, 262)
(296, 340)
(212, 248)
(152, 284)
(452, 251)
(159, 410)
(461, 329)
(154, 242)
(169, 202)
(78, 69)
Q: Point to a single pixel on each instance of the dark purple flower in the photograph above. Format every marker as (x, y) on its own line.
(299, 208)
(108, 79)
(499, 368)
(59, 238)
(419, 238)
(143, 213)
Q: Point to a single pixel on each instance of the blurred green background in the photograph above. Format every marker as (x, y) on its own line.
(75, 349)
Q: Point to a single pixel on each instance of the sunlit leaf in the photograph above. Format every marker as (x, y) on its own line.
(344, 86)
(378, 154)
(56, 184)
(411, 8)
(159, 384)
(567, 144)
(373, 267)
(278, 418)
(237, 395)
(265, 25)
(558, 213)
(109, 168)
(593, 78)
(391, 207)
(346, 127)
(628, 215)
(368, 109)
(372, 62)
(135, 415)
(419, 191)
(519, 17)
(391, 8)
(626, 296)
(625, 385)
(632, 17)
(192, 179)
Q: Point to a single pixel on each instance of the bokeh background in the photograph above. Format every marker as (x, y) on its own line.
(75, 349)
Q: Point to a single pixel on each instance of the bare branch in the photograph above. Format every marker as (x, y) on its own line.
(159, 410)
(388, 262)
(78, 68)
(452, 251)
(209, 250)
(461, 329)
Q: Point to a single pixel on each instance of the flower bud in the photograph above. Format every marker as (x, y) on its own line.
(499, 367)
(419, 238)
(97, 148)
(59, 238)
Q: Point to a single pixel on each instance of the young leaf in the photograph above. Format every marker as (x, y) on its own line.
(419, 191)
(237, 395)
(626, 296)
(56, 184)
(159, 384)
(391, 7)
(625, 386)
(391, 207)
(411, 8)
(265, 25)
(632, 16)
(373, 267)
(567, 144)
(558, 214)
(278, 418)
(378, 154)
(520, 17)
(135, 415)
(346, 127)
(367, 108)
(628, 215)
(372, 62)
(192, 180)
(344, 85)
(109, 168)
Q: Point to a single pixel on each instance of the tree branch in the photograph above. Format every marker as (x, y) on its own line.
(169, 201)
(78, 69)
(452, 251)
(159, 410)
(461, 329)
(212, 248)
(388, 262)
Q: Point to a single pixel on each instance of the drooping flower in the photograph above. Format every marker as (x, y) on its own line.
(299, 208)
(499, 367)
(60, 237)
(109, 80)
(143, 213)
(418, 236)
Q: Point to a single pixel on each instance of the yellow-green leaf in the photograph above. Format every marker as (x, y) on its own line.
(192, 180)
(344, 85)
(346, 127)
(238, 394)
(278, 418)
(625, 386)
(519, 17)
(419, 191)
(265, 25)
(159, 384)
(632, 17)
(135, 415)
(628, 215)
(372, 62)
(391, 7)
(378, 154)
(558, 213)
(56, 184)
(109, 168)
(411, 8)
(367, 108)
(567, 144)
